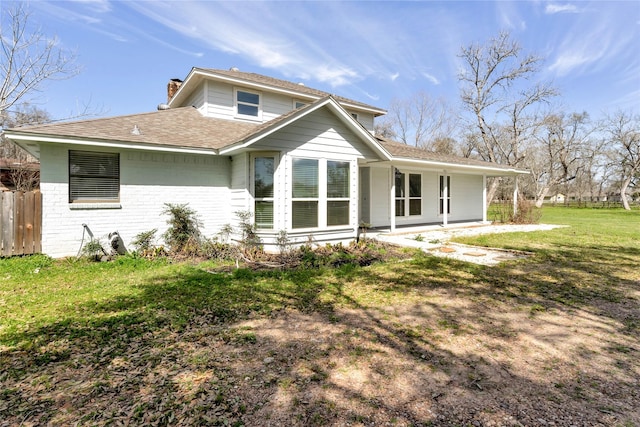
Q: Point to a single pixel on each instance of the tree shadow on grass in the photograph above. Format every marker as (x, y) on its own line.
(385, 344)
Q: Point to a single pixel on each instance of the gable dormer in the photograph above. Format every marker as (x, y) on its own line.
(249, 97)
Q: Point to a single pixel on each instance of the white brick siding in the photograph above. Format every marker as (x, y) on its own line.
(148, 181)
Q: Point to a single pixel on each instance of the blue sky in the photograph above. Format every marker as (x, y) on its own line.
(368, 51)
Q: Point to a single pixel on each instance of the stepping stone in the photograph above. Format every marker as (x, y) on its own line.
(447, 250)
(476, 254)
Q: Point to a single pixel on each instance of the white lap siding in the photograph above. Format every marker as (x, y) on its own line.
(148, 180)
(320, 136)
(466, 197)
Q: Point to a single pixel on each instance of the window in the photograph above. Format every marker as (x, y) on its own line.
(320, 193)
(94, 177)
(337, 193)
(400, 193)
(263, 169)
(415, 194)
(299, 104)
(247, 103)
(305, 193)
(444, 186)
(412, 187)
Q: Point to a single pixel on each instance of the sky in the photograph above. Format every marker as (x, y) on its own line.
(368, 51)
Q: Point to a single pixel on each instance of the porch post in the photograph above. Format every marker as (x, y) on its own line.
(515, 196)
(445, 199)
(392, 200)
(484, 198)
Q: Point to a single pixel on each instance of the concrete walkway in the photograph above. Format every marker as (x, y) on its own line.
(435, 240)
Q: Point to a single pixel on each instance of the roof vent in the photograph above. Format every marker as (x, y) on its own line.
(234, 69)
(300, 84)
(163, 107)
(136, 130)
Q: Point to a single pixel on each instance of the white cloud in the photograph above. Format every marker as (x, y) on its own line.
(430, 77)
(553, 8)
(98, 6)
(394, 76)
(567, 62)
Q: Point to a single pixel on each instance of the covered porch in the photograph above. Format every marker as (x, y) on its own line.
(402, 196)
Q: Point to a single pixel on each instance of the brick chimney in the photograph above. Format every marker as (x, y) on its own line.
(172, 88)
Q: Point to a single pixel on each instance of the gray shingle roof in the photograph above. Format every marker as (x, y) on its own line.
(177, 127)
(399, 150)
(284, 84)
(186, 128)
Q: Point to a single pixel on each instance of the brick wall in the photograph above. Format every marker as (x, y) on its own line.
(148, 180)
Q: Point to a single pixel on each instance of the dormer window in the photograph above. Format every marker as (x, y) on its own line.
(299, 104)
(355, 116)
(247, 104)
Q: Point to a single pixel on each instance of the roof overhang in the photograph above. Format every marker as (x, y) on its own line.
(31, 142)
(196, 75)
(487, 170)
(328, 102)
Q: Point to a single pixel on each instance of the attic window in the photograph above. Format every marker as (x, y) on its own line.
(94, 177)
(247, 103)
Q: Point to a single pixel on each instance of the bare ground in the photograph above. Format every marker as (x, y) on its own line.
(447, 356)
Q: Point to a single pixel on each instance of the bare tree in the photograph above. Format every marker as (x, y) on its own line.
(421, 121)
(623, 130)
(503, 112)
(24, 173)
(564, 150)
(28, 59)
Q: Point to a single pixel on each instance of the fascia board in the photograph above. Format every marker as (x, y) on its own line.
(107, 144)
(268, 88)
(335, 107)
(358, 128)
(193, 74)
(270, 130)
(492, 171)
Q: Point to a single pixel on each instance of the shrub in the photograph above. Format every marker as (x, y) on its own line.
(183, 235)
(94, 249)
(527, 213)
(144, 241)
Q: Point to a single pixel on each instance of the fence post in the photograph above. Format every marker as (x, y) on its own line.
(7, 223)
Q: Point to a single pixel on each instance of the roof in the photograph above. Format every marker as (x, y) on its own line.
(177, 127)
(274, 84)
(185, 129)
(401, 151)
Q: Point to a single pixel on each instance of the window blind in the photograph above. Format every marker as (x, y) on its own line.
(94, 176)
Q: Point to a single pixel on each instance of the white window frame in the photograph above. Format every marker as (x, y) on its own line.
(322, 198)
(299, 104)
(320, 191)
(337, 199)
(252, 176)
(76, 174)
(406, 197)
(441, 194)
(258, 116)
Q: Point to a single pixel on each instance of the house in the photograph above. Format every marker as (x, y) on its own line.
(555, 198)
(299, 159)
(18, 175)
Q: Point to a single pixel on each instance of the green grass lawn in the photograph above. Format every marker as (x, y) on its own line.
(108, 343)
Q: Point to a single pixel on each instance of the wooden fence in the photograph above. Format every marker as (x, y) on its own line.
(20, 223)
